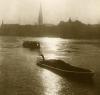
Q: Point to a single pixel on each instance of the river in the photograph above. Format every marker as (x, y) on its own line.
(20, 75)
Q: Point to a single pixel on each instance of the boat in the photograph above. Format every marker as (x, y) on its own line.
(31, 44)
(64, 68)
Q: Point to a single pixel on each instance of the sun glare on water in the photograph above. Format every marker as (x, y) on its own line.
(50, 82)
(51, 43)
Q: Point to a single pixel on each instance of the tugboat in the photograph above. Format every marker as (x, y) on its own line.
(64, 68)
(31, 44)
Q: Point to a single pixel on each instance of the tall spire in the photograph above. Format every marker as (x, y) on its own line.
(40, 19)
(2, 22)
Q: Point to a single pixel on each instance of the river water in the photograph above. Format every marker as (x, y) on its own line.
(20, 75)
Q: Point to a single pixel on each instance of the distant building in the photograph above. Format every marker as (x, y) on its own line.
(40, 18)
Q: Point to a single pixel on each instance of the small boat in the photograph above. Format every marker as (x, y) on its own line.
(31, 44)
(64, 68)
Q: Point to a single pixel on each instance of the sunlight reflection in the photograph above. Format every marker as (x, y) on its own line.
(51, 43)
(51, 56)
(50, 82)
(47, 39)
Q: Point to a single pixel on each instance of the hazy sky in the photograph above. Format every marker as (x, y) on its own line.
(26, 11)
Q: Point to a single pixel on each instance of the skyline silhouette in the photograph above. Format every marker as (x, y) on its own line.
(70, 29)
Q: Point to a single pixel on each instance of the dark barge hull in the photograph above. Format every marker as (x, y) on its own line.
(31, 44)
(72, 71)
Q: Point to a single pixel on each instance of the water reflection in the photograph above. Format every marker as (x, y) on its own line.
(51, 47)
(54, 84)
(51, 56)
(57, 48)
(51, 82)
(51, 43)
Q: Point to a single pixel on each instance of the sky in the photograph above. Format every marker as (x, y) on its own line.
(54, 11)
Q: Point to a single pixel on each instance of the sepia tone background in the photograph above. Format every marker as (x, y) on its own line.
(67, 30)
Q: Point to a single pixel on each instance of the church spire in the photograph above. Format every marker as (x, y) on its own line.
(2, 22)
(40, 19)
